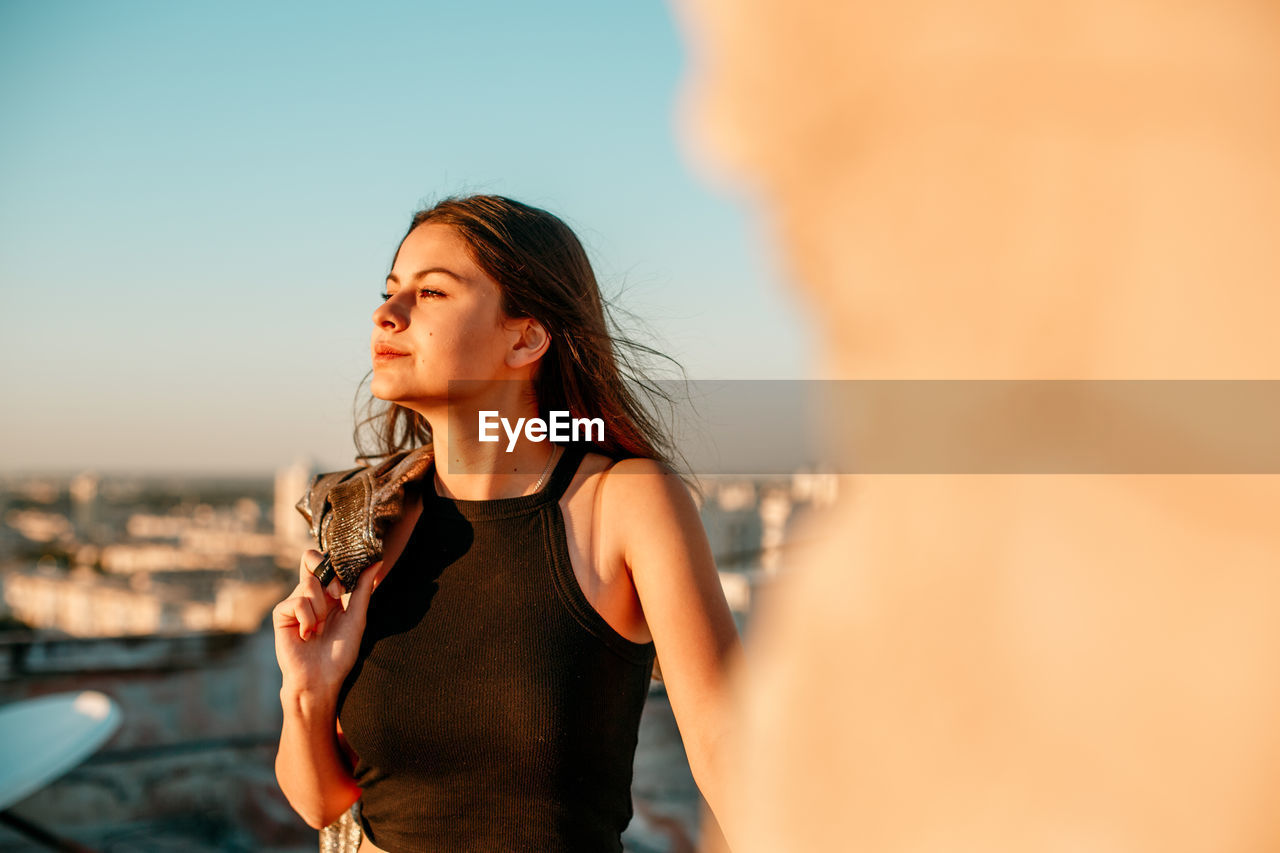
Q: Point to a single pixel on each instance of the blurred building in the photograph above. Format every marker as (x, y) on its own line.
(85, 603)
(291, 534)
(754, 525)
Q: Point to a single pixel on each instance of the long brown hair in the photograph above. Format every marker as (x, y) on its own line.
(542, 271)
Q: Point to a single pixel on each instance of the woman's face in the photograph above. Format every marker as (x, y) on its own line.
(442, 321)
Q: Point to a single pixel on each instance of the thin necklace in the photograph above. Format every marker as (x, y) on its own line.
(536, 486)
(546, 468)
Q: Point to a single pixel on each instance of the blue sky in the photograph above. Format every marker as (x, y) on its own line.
(199, 202)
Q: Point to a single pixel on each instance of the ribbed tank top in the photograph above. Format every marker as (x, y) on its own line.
(491, 707)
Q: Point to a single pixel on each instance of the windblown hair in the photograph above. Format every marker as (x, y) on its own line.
(542, 271)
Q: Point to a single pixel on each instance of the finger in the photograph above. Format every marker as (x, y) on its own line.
(306, 617)
(310, 559)
(321, 604)
(334, 589)
(309, 584)
(351, 622)
(359, 600)
(282, 615)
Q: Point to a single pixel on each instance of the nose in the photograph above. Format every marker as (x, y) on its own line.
(392, 314)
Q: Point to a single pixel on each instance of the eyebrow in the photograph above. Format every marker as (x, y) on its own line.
(420, 274)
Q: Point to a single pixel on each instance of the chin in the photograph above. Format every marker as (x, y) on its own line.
(381, 391)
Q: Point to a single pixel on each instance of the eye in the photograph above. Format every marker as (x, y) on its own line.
(425, 292)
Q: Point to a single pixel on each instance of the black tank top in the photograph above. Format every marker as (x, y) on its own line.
(491, 707)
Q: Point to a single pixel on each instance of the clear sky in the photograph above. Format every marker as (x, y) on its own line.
(199, 202)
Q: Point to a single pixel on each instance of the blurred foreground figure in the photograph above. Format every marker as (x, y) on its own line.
(1005, 189)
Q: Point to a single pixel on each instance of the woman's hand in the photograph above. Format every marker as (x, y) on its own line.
(316, 637)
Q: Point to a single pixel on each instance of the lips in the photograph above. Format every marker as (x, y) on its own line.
(387, 349)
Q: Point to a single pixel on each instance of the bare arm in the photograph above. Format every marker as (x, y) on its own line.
(309, 767)
(675, 578)
(316, 644)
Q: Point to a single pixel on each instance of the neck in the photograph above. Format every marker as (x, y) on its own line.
(467, 468)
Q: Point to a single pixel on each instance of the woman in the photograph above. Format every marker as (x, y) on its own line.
(488, 697)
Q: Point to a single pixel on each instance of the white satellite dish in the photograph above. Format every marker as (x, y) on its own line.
(42, 738)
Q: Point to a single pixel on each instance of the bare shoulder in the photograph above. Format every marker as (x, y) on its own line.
(653, 496)
(639, 470)
(643, 465)
(641, 478)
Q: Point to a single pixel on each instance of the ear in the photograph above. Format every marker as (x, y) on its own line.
(531, 341)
